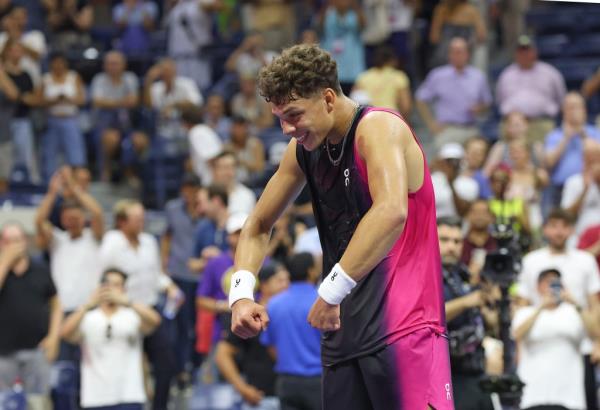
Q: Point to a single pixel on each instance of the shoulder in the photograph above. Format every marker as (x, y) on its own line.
(584, 258)
(381, 124)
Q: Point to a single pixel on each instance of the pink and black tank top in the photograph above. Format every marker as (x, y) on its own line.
(403, 293)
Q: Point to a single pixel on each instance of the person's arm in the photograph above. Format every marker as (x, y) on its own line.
(149, 318)
(7, 86)
(50, 344)
(257, 164)
(553, 155)
(225, 360)
(79, 99)
(70, 328)
(480, 29)
(437, 21)
(425, 112)
(165, 248)
(404, 102)
(591, 86)
(457, 306)
(43, 226)
(523, 329)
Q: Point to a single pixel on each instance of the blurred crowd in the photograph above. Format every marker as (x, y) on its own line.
(98, 310)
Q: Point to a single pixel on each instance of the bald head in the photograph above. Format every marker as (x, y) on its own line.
(12, 232)
(458, 53)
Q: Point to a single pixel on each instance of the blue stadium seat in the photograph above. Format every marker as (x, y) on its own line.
(552, 45)
(587, 45)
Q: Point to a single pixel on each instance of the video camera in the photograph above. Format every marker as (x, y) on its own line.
(502, 265)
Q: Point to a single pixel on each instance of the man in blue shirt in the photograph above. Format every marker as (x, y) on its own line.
(564, 148)
(295, 344)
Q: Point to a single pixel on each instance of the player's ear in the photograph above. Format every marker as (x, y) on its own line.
(330, 98)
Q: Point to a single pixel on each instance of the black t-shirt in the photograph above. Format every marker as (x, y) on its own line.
(254, 362)
(25, 85)
(25, 308)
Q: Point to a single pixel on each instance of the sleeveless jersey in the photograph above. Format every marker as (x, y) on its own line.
(404, 292)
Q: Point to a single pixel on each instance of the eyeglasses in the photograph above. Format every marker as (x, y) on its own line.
(108, 332)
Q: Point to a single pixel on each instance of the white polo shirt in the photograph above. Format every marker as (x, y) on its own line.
(142, 265)
(111, 360)
(73, 272)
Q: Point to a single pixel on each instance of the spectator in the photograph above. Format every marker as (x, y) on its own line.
(515, 128)
(168, 96)
(296, 346)
(210, 233)
(459, 93)
(18, 90)
(342, 22)
(453, 191)
(579, 276)
(564, 148)
(110, 329)
(254, 378)
(72, 248)
(590, 88)
(224, 170)
(204, 143)
(458, 18)
(549, 335)
(64, 93)
(531, 87)
(32, 41)
(478, 241)
(590, 241)
(386, 85)
(30, 317)
(250, 56)
(476, 149)
(211, 296)
(131, 250)
(177, 244)
(135, 19)
(190, 31)
(581, 194)
(69, 22)
(114, 95)
(249, 151)
(281, 244)
(250, 105)
(514, 211)
(275, 20)
(465, 307)
(81, 177)
(527, 181)
(215, 116)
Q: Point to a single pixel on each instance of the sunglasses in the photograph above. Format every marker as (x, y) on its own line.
(108, 332)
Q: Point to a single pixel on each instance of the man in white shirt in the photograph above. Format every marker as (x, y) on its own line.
(581, 193)
(168, 93)
(453, 192)
(137, 253)
(579, 276)
(71, 249)
(549, 335)
(205, 144)
(241, 198)
(110, 329)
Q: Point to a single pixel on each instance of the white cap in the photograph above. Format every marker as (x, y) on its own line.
(451, 150)
(235, 222)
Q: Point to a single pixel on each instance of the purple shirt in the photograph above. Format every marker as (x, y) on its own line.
(212, 284)
(537, 92)
(454, 93)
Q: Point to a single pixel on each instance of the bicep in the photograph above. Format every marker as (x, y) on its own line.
(381, 145)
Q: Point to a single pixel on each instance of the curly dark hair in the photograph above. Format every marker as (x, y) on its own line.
(300, 71)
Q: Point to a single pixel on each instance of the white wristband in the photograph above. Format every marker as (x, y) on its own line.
(242, 286)
(336, 286)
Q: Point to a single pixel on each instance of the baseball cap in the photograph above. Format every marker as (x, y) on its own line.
(235, 222)
(525, 41)
(451, 150)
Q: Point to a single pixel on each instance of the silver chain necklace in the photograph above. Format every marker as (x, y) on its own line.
(336, 162)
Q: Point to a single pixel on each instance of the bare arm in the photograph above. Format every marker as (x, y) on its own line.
(435, 32)
(94, 208)
(381, 140)
(225, 360)
(7, 86)
(284, 186)
(43, 227)
(212, 305)
(591, 85)
(149, 317)
(428, 118)
(70, 328)
(457, 306)
(404, 101)
(165, 249)
(523, 329)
